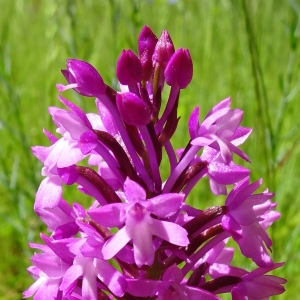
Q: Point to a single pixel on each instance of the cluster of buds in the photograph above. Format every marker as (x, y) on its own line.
(138, 238)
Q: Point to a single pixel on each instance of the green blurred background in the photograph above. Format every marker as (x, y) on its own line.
(245, 49)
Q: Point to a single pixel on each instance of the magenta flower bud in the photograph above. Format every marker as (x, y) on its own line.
(83, 78)
(133, 110)
(179, 69)
(146, 44)
(68, 175)
(163, 51)
(129, 68)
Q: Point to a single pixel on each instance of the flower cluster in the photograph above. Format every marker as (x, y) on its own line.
(138, 238)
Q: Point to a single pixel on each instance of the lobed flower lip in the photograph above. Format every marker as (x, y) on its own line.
(243, 220)
(220, 130)
(135, 212)
(254, 284)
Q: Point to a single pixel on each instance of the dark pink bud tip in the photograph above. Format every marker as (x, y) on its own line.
(164, 49)
(179, 69)
(83, 78)
(146, 45)
(133, 110)
(129, 68)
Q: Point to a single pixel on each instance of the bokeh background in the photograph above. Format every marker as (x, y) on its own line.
(245, 49)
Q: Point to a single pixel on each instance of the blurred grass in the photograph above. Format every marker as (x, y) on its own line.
(256, 63)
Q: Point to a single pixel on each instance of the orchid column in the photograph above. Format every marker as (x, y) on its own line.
(139, 238)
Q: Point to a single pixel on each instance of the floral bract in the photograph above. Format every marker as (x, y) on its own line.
(138, 238)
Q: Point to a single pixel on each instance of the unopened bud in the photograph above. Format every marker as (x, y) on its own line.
(129, 68)
(133, 110)
(83, 78)
(179, 69)
(164, 49)
(146, 45)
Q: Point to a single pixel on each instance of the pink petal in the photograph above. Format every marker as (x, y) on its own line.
(217, 189)
(222, 104)
(133, 191)
(110, 215)
(89, 284)
(170, 232)
(252, 245)
(115, 243)
(165, 205)
(49, 193)
(226, 174)
(69, 155)
(70, 278)
(111, 277)
(193, 123)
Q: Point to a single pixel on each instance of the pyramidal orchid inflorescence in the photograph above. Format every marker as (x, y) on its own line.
(138, 238)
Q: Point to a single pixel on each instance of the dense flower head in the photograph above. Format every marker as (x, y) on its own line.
(138, 237)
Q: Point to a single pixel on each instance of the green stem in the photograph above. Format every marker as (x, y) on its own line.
(287, 91)
(262, 100)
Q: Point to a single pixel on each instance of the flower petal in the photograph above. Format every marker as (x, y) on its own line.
(115, 243)
(170, 232)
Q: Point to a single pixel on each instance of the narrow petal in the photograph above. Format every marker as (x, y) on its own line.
(264, 287)
(225, 151)
(48, 262)
(115, 243)
(70, 278)
(238, 152)
(222, 104)
(70, 154)
(213, 118)
(216, 188)
(110, 215)
(198, 294)
(194, 122)
(49, 193)
(77, 110)
(89, 285)
(240, 135)
(242, 192)
(35, 287)
(252, 245)
(133, 191)
(165, 205)
(232, 226)
(170, 232)
(228, 124)
(111, 277)
(227, 174)
(203, 140)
